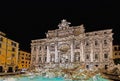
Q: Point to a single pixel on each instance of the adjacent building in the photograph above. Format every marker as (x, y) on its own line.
(70, 45)
(24, 60)
(116, 51)
(8, 54)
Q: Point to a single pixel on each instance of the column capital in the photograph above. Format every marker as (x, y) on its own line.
(37, 47)
(47, 43)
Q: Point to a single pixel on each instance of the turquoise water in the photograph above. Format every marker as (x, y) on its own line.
(40, 78)
(36, 78)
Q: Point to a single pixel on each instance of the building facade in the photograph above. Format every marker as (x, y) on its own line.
(116, 51)
(8, 54)
(24, 60)
(67, 46)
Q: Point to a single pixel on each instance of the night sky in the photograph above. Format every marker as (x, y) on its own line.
(25, 20)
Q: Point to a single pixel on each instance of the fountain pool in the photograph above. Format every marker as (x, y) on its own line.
(40, 78)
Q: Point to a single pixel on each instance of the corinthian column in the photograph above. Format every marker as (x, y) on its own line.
(82, 52)
(110, 46)
(56, 53)
(101, 51)
(37, 53)
(48, 54)
(72, 53)
(91, 54)
(42, 54)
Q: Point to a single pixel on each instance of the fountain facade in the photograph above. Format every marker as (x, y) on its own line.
(68, 46)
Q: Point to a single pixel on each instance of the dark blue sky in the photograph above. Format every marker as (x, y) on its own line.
(24, 20)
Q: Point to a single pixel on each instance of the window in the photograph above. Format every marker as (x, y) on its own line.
(53, 58)
(39, 59)
(115, 48)
(22, 62)
(0, 53)
(115, 53)
(105, 55)
(87, 34)
(40, 48)
(87, 44)
(119, 48)
(13, 55)
(45, 59)
(96, 65)
(13, 44)
(22, 57)
(34, 48)
(87, 66)
(0, 45)
(96, 42)
(66, 61)
(96, 56)
(105, 32)
(77, 46)
(19, 53)
(1, 39)
(105, 42)
(46, 47)
(77, 56)
(52, 47)
(87, 56)
(106, 66)
(13, 49)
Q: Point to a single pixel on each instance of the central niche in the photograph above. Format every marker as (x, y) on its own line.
(64, 47)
